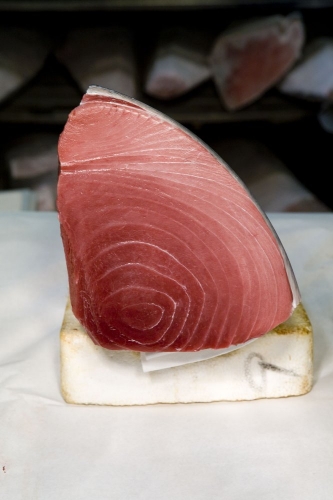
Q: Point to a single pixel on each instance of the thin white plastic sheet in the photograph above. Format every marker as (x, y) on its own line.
(152, 361)
(277, 448)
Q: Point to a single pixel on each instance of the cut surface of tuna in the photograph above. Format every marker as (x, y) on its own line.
(166, 249)
(248, 60)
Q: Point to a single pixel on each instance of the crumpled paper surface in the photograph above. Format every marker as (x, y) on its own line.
(276, 448)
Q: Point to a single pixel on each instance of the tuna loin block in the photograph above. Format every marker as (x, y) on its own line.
(178, 65)
(268, 179)
(101, 56)
(22, 54)
(247, 61)
(166, 249)
(32, 161)
(312, 78)
(32, 155)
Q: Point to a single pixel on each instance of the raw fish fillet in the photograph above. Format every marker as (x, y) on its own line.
(269, 180)
(32, 161)
(102, 56)
(312, 77)
(250, 59)
(23, 52)
(32, 155)
(179, 63)
(166, 249)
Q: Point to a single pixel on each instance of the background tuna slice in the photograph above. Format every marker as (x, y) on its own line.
(250, 59)
(312, 77)
(101, 56)
(166, 250)
(179, 63)
(23, 52)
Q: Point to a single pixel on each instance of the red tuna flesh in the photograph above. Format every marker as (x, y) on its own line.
(166, 249)
(249, 60)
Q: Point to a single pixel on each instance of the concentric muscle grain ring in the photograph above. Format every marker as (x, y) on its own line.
(165, 248)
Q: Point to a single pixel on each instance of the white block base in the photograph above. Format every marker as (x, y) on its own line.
(278, 364)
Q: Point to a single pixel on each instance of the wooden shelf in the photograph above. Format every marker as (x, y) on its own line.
(203, 106)
(49, 100)
(45, 102)
(52, 94)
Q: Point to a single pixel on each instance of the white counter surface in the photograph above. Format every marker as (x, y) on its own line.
(266, 449)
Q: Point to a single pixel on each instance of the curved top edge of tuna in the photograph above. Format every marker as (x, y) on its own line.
(102, 91)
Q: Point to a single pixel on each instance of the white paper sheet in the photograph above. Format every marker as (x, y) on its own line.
(49, 450)
(152, 361)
